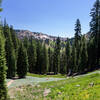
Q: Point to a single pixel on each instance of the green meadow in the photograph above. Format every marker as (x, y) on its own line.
(84, 87)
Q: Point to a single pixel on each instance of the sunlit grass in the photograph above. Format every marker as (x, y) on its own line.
(41, 76)
(77, 88)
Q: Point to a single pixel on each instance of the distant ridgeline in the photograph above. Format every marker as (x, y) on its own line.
(44, 37)
(41, 36)
(37, 35)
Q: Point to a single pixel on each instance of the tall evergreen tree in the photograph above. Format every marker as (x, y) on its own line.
(77, 42)
(83, 56)
(39, 58)
(32, 56)
(10, 53)
(22, 62)
(68, 56)
(44, 59)
(95, 29)
(3, 68)
(26, 43)
(77, 32)
(50, 61)
(63, 63)
(56, 60)
(74, 66)
(14, 39)
(91, 54)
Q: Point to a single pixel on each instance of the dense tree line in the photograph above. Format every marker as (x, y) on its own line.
(35, 56)
(17, 57)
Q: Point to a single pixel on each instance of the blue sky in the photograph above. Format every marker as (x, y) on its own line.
(53, 17)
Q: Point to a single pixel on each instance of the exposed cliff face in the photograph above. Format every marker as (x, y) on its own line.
(41, 36)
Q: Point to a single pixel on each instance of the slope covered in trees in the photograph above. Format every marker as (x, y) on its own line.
(74, 57)
(35, 56)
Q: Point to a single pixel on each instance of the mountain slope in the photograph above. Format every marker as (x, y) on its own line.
(37, 35)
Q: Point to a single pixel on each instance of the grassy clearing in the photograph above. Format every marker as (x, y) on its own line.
(29, 80)
(41, 76)
(77, 88)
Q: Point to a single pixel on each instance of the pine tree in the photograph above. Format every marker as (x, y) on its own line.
(3, 68)
(56, 60)
(39, 58)
(74, 66)
(63, 63)
(22, 62)
(91, 54)
(77, 32)
(10, 53)
(50, 61)
(14, 39)
(95, 30)
(26, 42)
(77, 43)
(44, 60)
(32, 56)
(68, 56)
(84, 56)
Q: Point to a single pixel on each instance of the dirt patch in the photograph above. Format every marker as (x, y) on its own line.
(9, 83)
(46, 92)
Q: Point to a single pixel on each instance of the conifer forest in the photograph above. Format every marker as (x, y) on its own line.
(73, 57)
